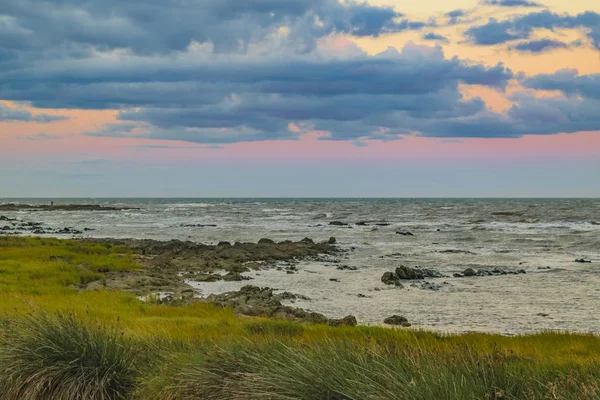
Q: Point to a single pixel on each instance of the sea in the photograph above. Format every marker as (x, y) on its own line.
(543, 237)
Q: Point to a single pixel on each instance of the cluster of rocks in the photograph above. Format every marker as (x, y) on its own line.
(405, 233)
(469, 272)
(166, 266)
(403, 273)
(60, 207)
(583, 261)
(262, 302)
(198, 225)
(13, 226)
(396, 320)
(359, 223)
(452, 251)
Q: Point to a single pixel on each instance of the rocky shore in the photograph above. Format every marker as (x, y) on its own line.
(60, 207)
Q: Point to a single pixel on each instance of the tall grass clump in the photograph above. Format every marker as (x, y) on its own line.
(341, 370)
(46, 356)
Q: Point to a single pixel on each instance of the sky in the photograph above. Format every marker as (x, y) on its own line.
(299, 98)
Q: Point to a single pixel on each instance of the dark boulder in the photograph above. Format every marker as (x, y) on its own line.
(390, 278)
(396, 320)
(582, 260)
(469, 272)
(405, 233)
(331, 240)
(265, 241)
(349, 320)
(338, 223)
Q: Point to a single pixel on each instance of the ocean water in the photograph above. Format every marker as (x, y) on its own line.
(541, 236)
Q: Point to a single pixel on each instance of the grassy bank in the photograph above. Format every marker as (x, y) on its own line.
(59, 341)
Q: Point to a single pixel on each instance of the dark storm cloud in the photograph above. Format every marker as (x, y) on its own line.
(158, 26)
(226, 71)
(16, 114)
(521, 27)
(567, 81)
(540, 46)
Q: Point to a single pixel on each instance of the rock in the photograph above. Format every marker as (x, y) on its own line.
(363, 296)
(331, 240)
(338, 223)
(7, 228)
(347, 268)
(543, 315)
(256, 301)
(405, 233)
(469, 272)
(361, 223)
(349, 320)
(224, 244)
(61, 207)
(333, 280)
(383, 224)
(266, 241)
(234, 277)
(390, 278)
(457, 252)
(396, 320)
(408, 273)
(581, 260)
(307, 240)
(544, 268)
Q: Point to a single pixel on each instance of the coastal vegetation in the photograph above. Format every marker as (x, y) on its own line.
(69, 331)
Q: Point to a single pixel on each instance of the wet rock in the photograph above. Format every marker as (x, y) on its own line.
(234, 277)
(338, 223)
(256, 301)
(396, 320)
(347, 268)
(582, 260)
(408, 273)
(266, 241)
(542, 315)
(307, 240)
(7, 228)
(457, 252)
(429, 286)
(224, 244)
(544, 268)
(331, 240)
(61, 207)
(470, 272)
(390, 278)
(404, 233)
(333, 280)
(361, 223)
(382, 224)
(363, 296)
(349, 320)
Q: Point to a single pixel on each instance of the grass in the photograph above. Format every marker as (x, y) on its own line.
(60, 342)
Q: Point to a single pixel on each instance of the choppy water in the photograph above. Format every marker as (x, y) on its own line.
(537, 234)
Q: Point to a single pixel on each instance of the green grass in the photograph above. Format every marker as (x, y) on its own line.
(59, 342)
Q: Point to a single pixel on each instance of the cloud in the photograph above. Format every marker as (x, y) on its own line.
(511, 3)
(566, 81)
(258, 101)
(41, 136)
(82, 27)
(521, 27)
(18, 114)
(540, 46)
(434, 36)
